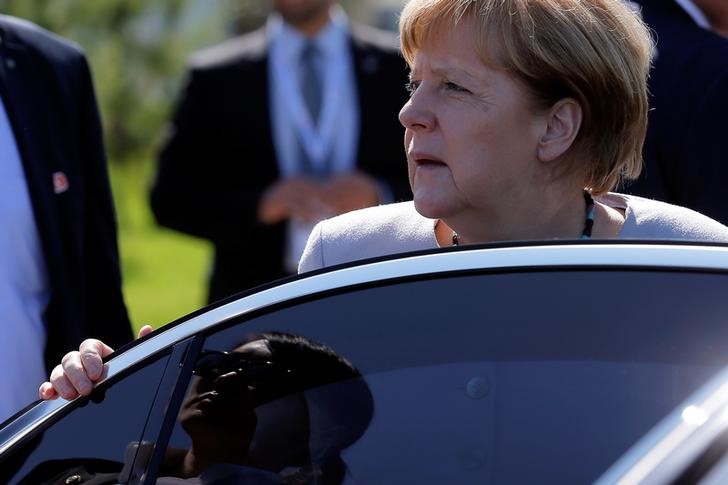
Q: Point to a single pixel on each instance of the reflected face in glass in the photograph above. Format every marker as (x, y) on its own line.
(243, 397)
(229, 386)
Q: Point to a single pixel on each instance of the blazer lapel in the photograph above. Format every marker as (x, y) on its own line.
(366, 67)
(24, 97)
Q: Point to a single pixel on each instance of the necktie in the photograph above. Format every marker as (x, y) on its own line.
(310, 81)
(311, 93)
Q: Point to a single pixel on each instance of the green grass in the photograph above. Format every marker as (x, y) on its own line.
(164, 272)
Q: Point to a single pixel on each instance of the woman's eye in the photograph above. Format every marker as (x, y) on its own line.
(454, 87)
(412, 86)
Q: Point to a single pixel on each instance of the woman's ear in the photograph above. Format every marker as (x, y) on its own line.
(562, 127)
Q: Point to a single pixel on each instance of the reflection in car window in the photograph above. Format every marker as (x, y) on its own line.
(276, 407)
(92, 440)
(501, 378)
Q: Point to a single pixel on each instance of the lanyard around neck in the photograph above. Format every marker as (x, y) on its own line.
(316, 140)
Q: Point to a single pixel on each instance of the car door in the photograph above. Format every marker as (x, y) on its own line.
(489, 376)
(519, 373)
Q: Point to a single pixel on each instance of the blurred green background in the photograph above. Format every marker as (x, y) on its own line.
(137, 50)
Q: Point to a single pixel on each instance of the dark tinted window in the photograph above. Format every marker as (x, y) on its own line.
(95, 439)
(494, 378)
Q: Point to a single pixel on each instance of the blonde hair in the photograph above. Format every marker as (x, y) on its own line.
(597, 52)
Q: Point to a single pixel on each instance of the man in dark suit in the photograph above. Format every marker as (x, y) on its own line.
(59, 267)
(686, 153)
(236, 168)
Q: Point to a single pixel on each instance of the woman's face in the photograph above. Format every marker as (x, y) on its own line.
(471, 132)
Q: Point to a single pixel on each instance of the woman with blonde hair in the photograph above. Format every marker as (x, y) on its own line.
(524, 116)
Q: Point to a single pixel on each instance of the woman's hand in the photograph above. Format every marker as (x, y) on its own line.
(79, 370)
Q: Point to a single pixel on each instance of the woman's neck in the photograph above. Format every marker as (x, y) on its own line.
(548, 217)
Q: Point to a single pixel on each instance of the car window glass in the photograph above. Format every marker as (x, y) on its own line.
(94, 440)
(490, 378)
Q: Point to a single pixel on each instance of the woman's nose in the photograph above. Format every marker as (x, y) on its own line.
(415, 114)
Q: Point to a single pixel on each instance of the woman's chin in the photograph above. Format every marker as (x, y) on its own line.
(428, 207)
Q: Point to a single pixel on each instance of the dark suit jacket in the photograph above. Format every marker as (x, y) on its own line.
(219, 157)
(47, 91)
(686, 151)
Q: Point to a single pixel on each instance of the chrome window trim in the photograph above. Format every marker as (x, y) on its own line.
(637, 255)
(28, 421)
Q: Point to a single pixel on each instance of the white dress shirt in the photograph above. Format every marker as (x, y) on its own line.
(24, 288)
(334, 139)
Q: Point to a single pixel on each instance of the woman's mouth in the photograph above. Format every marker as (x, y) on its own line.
(426, 159)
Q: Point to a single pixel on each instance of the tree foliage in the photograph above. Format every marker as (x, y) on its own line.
(137, 50)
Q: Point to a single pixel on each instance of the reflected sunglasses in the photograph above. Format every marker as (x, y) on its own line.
(214, 363)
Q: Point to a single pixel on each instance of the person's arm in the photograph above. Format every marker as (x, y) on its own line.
(209, 182)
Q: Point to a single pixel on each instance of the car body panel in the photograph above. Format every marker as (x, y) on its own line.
(638, 256)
